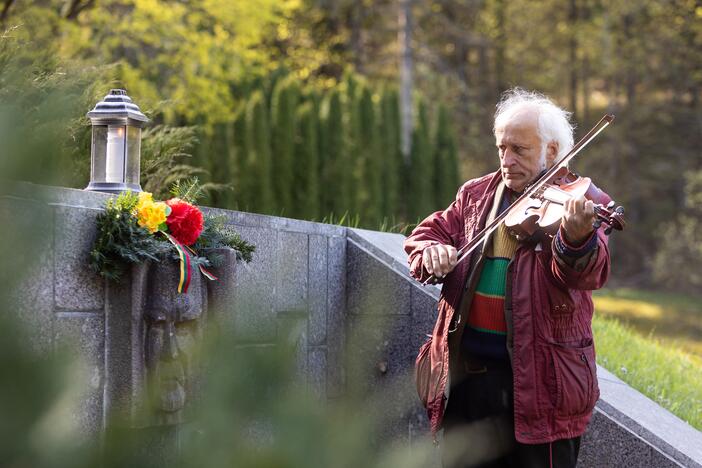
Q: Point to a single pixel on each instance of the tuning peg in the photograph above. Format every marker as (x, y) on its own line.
(610, 205)
(620, 210)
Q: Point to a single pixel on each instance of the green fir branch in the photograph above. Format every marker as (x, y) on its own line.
(189, 190)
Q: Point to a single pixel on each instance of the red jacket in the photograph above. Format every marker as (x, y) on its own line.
(553, 356)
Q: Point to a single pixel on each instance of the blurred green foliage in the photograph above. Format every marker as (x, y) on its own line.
(677, 263)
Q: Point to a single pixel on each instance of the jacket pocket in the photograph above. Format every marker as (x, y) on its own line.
(422, 372)
(576, 379)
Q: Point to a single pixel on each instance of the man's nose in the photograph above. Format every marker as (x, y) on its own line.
(508, 158)
(170, 345)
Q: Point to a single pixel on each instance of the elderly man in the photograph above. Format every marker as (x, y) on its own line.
(509, 372)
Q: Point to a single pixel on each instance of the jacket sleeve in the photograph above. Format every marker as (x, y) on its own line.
(587, 270)
(441, 227)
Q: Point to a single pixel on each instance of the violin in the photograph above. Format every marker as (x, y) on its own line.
(544, 210)
(542, 204)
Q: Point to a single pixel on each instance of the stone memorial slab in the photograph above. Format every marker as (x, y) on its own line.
(424, 312)
(380, 369)
(292, 331)
(77, 287)
(291, 272)
(318, 289)
(222, 292)
(317, 372)
(336, 315)
(372, 287)
(82, 333)
(256, 287)
(31, 294)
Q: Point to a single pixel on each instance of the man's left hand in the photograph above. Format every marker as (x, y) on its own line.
(577, 220)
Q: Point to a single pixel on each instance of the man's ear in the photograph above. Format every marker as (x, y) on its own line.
(551, 153)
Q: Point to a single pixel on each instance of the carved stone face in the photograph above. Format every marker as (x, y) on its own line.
(172, 331)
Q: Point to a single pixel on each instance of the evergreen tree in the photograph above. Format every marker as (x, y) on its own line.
(333, 156)
(259, 181)
(312, 96)
(218, 164)
(369, 194)
(284, 101)
(421, 170)
(353, 167)
(238, 161)
(446, 175)
(391, 157)
(306, 167)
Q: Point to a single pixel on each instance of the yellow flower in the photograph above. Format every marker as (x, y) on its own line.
(150, 214)
(145, 199)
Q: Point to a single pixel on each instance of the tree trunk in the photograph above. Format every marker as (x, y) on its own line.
(73, 8)
(573, 54)
(585, 18)
(406, 65)
(356, 39)
(630, 80)
(500, 46)
(5, 11)
(586, 90)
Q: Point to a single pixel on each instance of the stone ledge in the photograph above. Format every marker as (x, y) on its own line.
(59, 195)
(386, 248)
(654, 424)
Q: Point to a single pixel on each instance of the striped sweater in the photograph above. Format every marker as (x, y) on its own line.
(486, 330)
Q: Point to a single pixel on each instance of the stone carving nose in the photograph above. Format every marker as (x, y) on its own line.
(170, 343)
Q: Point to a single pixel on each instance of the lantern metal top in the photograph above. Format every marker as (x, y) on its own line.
(117, 106)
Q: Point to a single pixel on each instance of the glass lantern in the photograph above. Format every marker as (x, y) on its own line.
(116, 144)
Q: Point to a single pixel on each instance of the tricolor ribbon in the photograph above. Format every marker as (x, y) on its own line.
(185, 268)
(204, 272)
(184, 281)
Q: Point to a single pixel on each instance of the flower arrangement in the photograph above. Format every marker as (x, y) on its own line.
(134, 227)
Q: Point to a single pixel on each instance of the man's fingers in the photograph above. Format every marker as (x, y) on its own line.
(426, 258)
(581, 204)
(568, 205)
(443, 259)
(589, 207)
(435, 264)
(439, 260)
(427, 263)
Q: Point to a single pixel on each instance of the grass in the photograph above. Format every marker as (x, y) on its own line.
(675, 319)
(653, 341)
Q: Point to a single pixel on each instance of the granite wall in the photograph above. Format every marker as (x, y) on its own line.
(342, 295)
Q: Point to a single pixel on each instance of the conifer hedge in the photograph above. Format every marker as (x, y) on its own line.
(299, 152)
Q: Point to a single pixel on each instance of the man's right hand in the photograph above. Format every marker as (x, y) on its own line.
(439, 260)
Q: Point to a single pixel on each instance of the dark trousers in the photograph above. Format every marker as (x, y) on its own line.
(479, 424)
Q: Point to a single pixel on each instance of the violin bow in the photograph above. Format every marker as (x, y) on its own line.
(530, 190)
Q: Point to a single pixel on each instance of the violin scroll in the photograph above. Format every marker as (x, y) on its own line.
(611, 215)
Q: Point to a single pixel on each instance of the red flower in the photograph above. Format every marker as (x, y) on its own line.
(185, 221)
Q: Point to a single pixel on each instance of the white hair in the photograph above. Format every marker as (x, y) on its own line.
(553, 122)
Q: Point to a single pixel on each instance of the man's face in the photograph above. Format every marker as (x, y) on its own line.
(522, 155)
